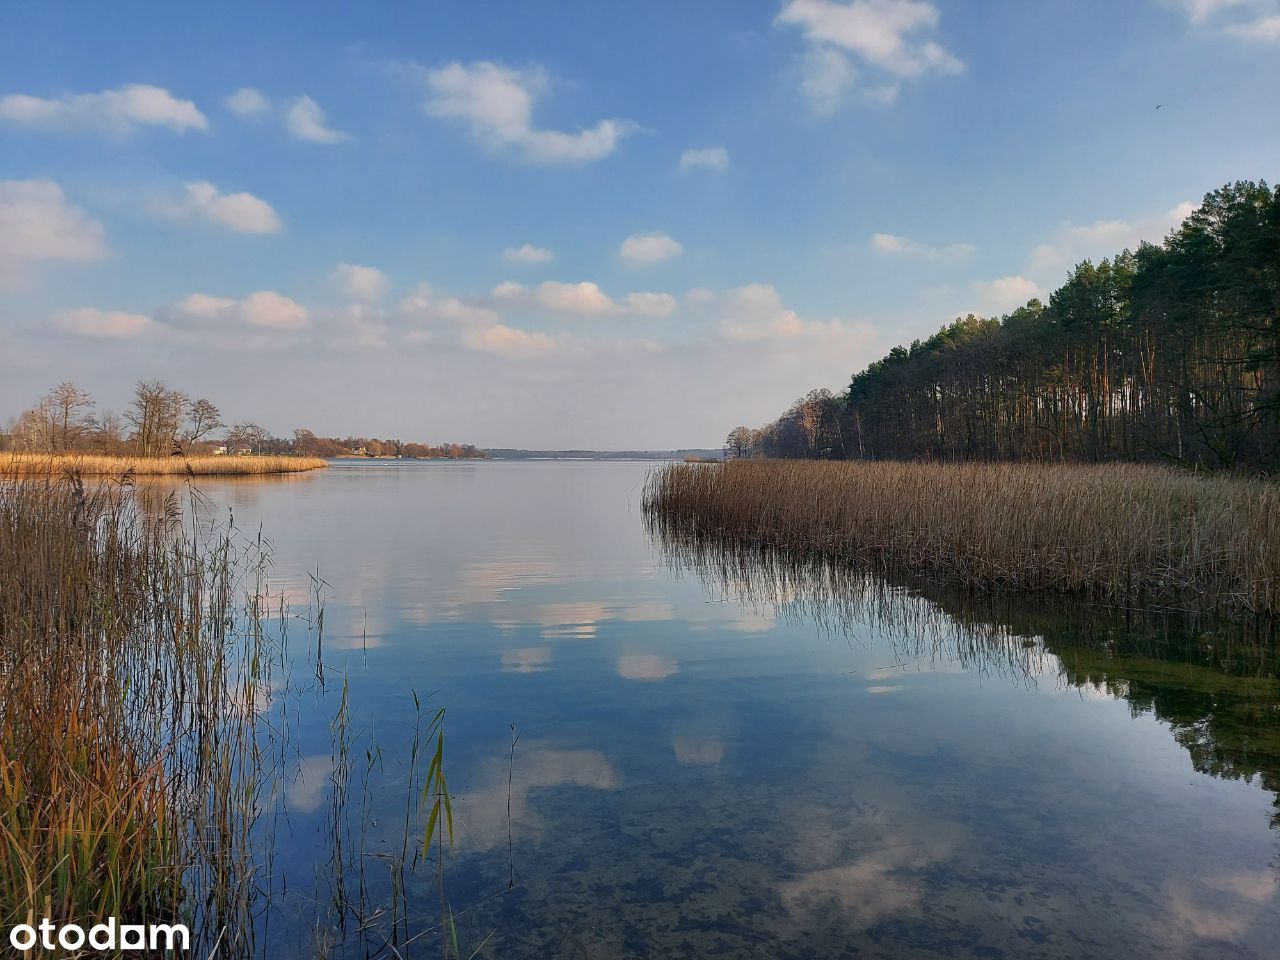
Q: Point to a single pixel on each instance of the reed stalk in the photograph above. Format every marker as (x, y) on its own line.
(43, 464)
(129, 684)
(1123, 533)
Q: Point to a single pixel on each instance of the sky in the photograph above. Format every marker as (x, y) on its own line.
(580, 224)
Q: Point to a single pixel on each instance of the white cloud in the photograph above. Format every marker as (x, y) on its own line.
(496, 103)
(1260, 25)
(305, 120)
(893, 245)
(420, 306)
(247, 102)
(1103, 238)
(826, 78)
(107, 324)
(704, 158)
(1200, 10)
(1263, 29)
(1006, 293)
(643, 248)
(755, 314)
(583, 299)
(265, 309)
(890, 37)
(118, 111)
(649, 304)
(37, 224)
(240, 212)
(360, 283)
(527, 253)
(508, 341)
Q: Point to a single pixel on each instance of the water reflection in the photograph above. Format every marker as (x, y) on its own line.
(726, 752)
(1215, 684)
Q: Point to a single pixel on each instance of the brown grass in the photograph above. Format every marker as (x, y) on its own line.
(127, 689)
(38, 464)
(1121, 532)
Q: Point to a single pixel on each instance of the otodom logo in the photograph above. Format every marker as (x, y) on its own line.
(110, 936)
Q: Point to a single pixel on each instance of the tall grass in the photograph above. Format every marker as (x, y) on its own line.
(1120, 532)
(129, 681)
(37, 464)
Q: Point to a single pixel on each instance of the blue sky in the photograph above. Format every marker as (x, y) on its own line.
(580, 224)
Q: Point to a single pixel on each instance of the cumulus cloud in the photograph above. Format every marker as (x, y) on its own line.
(107, 324)
(360, 283)
(893, 245)
(583, 299)
(704, 158)
(1006, 293)
(1200, 10)
(37, 224)
(239, 212)
(305, 120)
(508, 341)
(118, 111)
(649, 304)
(527, 253)
(1255, 21)
(755, 314)
(892, 38)
(1103, 238)
(422, 307)
(247, 102)
(1263, 29)
(496, 103)
(265, 309)
(642, 248)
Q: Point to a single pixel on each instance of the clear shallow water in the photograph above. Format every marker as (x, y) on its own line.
(719, 759)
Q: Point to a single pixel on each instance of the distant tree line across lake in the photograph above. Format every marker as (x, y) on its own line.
(161, 421)
(1170, 353)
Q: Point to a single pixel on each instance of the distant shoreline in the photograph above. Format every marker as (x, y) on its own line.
(43, 464)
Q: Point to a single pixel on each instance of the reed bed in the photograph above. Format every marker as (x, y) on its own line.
(1124, 533)
(130, 678)
(37, 464)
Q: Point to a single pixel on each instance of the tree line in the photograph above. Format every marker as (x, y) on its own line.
(1170, 353)
(163, 421)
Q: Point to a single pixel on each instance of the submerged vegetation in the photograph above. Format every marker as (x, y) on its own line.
(1124, 533)
(30, 464)
(1167, 354)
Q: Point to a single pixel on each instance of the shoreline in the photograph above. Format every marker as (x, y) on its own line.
(42, 464)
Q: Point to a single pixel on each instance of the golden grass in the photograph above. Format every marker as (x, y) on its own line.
(38, 464)
(128, 755)
(1121, 532)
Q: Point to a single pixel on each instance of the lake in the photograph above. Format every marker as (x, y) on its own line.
(727, 755)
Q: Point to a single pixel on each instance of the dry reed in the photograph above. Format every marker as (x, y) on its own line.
(129, 770)
(1120, 532)
(43, 464)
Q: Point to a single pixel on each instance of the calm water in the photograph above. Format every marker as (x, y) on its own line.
(717, 758)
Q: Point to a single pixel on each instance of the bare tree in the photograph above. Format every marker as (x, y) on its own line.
(740, 442)
(247, 435)
(109, 436)
(69, 410)
(202, 419)
(157, 415)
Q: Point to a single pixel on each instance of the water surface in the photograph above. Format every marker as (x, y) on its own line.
(719, 757)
